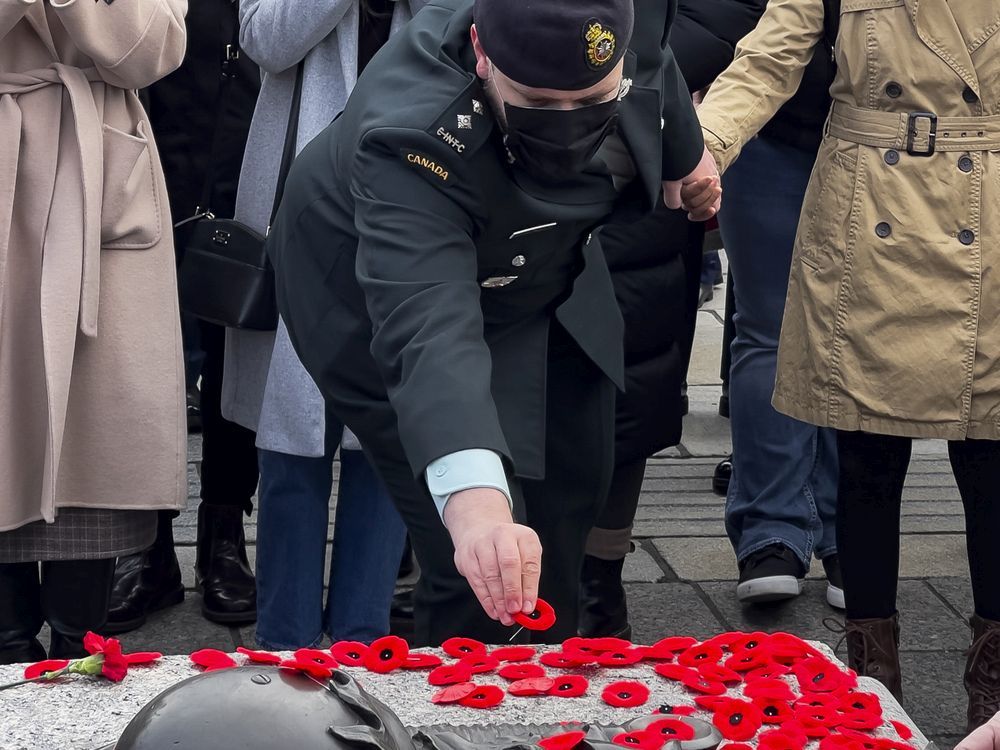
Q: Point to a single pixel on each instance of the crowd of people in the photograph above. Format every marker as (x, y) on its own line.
(484, 224)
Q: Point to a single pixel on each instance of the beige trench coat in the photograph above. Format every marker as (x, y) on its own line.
(91, 379)
(891, 321)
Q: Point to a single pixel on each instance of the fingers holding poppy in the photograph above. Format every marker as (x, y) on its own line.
(468, 567)
(531, 568)
(488, 564)
(508, 554)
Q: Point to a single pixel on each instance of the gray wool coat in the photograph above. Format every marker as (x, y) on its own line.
(265, 387)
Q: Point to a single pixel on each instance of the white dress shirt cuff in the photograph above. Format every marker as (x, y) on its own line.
(465, 470)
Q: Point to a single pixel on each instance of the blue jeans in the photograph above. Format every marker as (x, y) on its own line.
(293, 516)
(784, 484)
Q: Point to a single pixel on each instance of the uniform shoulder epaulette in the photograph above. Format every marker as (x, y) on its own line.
(466, 123)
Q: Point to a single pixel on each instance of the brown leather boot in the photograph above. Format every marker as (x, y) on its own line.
(982, 671)
(873, 651)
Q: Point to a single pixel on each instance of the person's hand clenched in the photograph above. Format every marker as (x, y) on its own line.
(700, 193)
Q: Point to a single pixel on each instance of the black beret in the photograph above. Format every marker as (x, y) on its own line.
(566, 45)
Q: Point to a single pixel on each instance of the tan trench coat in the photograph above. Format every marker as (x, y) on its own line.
(91, 378)
(891, 322)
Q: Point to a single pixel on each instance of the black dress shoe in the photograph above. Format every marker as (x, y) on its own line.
(603, 607)
(722, 476)
(144, 583)
(20, 613)
(222, 571)
(75, 598)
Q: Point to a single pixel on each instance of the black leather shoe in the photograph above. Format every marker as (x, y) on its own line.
(603, 608)
(75, 597)
(144, 583)
(722, 476)
(20, 614)
(222, 571)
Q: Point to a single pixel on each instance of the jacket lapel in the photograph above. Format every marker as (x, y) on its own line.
(638, 124)
(40, 23)
(937, 28)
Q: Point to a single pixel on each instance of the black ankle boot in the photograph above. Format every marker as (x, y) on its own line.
(75, 597)
(603, 610)
(222, 571)
(20, 613)
(146, 582)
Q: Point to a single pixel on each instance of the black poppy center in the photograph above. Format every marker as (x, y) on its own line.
(566, 686)
(819, 677)
(859, 704)
(665, 709)
(632, 741)
(771, 711)
(752, 644)
(353, 655)
(624, 695)
(668, 730)
(736, 719)
(386, 654)
(699, 657)
(535, 615)
(465, 650)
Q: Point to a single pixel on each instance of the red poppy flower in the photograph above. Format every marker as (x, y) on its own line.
(696, 682)
(594, 646)
(481, 663)
(622, 658)
(422, 661)
(521, 671)
(904, 732)
(531, 686)
(484, 696)
(719, 673)
(795, 729)
(825, 700)
(642, 739)
(748, 660)
(866, 740)
(770, 687)
(675, 710)
(861, 720)
(738, 720)
(867, 703)
(450, 674)
(774, 711)
(349, 653)
(387, 654)
(211, 659)
(811, 731)
(559, 660)
(749, 642)
(776, 739)
(514, 653)
(710, 702)
(462, 647)
(564, 741)
(704, 653)
(307, 666)
(569, 686)
(138, 658)
(736, 746)
(114, 666)
(675, 643)
(674, 671)
(787, 648)
(840, 742)
(259, 657)
(724, 641)
(40, 668)
(322, 658)
(769, 671)
(543, 618)
(625, 694)
(819, 675)
(817, 716)
(454, 693)
(672, 729)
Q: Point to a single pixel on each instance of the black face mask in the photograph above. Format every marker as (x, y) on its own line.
(557, 144)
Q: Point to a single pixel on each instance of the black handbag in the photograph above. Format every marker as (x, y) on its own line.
(226, 277)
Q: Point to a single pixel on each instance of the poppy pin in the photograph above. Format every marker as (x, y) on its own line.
(625, 694)
(386, 655)
(569, 686)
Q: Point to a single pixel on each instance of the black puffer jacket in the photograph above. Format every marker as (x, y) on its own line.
(655, 263)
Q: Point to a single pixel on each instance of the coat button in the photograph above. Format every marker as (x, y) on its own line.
(518, 261)
(966, 236)
(882, 229)
(891, 157)
(893, 90)
(440, 471)
(969, 95)
(966, 164)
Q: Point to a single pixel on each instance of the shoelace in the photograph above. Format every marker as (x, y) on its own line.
(845, 629)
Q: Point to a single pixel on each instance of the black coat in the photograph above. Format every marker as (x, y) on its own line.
(419, 272)
(655, 263)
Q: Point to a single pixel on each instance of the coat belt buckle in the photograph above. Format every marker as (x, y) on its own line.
(912, 120)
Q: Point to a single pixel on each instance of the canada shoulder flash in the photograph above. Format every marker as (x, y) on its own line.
(428, 164)
(601, 43)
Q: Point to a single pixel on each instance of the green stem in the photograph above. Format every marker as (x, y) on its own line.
(44, 677)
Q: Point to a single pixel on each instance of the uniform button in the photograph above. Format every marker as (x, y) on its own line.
(891, 157)
(969, 95)
(966, 236)
(893, 90)
(440, 471)
(882, 229)
(518, 261)
(966, 164)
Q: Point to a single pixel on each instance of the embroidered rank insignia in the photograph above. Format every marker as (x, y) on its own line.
(601, 44)
(465, 122)
(477, 107)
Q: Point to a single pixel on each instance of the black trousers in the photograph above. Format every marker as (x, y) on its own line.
(562, 508)
(872, 472)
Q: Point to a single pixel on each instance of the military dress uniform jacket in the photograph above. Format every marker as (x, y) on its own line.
(890, 323)
(462, 261)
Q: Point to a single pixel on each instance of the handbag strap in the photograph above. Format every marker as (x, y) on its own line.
(291, 140)
(229, 70)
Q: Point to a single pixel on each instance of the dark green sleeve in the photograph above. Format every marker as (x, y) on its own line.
(682, 140)
(417, 266)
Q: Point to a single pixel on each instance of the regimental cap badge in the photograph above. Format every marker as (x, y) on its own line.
(601, 44)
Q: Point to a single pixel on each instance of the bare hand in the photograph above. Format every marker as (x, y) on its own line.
(986, 737)
(700, 193)
(501, 560)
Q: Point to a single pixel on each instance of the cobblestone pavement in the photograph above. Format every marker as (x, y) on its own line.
(681, 578)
